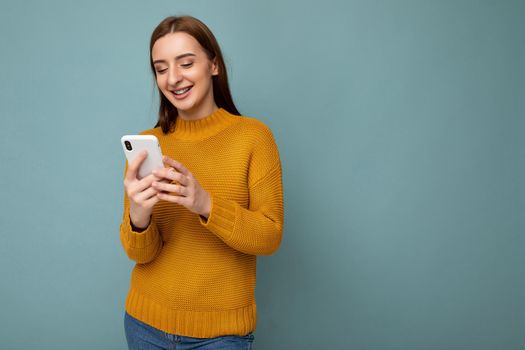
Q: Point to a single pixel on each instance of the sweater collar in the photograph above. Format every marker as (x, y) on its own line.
(205, 127)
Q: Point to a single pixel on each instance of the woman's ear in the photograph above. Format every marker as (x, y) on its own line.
(214, 66)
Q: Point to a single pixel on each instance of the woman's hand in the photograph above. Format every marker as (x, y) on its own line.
(187, 192)
(142, 197)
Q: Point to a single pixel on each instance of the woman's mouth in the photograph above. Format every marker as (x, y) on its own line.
(182, 93)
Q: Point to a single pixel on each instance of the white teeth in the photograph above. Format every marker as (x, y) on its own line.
(179, 92)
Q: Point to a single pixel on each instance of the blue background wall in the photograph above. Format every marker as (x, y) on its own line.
(400, 126)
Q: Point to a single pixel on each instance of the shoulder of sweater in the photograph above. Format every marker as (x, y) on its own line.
(153, 131)
(255, 126)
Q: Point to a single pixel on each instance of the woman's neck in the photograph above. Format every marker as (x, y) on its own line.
(198, 112)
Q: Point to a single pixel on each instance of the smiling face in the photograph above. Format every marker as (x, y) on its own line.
(180, 63)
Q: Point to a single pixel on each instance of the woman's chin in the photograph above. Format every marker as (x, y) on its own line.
(182, 105)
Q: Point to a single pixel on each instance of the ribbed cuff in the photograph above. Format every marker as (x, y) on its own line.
(222, 217)
(140, 240)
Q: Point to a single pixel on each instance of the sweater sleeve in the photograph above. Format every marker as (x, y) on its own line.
(141, 247)
(255, 230)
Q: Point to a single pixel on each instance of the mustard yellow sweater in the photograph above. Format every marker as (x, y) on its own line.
(196, 277)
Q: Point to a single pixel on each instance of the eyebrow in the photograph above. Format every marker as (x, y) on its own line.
(176, 58)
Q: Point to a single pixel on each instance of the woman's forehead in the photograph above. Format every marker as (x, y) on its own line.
(174, 44)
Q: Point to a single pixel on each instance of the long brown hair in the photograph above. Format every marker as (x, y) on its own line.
(221, 90)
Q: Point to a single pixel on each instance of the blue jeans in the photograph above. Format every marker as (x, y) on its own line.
(140, 335)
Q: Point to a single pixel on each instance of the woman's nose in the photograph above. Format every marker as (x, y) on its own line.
(174, 76)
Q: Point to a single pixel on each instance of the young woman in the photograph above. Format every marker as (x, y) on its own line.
(195, 227)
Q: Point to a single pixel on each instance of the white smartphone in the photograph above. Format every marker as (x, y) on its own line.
(134, 144)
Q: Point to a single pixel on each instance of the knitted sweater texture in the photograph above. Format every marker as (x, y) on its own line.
(196, 277)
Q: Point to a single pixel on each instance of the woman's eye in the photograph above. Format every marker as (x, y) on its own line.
(187, 65)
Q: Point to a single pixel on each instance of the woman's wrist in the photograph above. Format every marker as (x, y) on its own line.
(138, 223)
(206, 214)
(137, 229)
